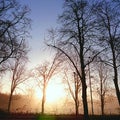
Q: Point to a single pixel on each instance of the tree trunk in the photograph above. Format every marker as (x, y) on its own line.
(115, 80)
(84, 86)
(90, 90)
(102, 104)
(101, 95)
(116, 85)
(9, 101)
(43, 100)
(84, 98)
(76, 108)
(76, 95)
(84, 93)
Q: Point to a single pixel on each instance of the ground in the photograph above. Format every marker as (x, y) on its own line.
(27, 116)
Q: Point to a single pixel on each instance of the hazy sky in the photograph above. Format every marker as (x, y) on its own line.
(44, 14)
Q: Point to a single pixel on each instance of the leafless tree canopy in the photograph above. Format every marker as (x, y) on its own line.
(14, 26)
(17, 68)
(89, 29)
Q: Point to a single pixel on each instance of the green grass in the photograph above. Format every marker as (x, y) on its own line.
(46, 117)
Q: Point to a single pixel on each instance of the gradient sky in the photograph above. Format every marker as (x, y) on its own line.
(44, 14)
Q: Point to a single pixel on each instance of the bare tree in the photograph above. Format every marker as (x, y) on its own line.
(14, 26)
(74, 86)
(77, 36)
(44, 73)
(102, 73)
(18, 73)
(108, 13)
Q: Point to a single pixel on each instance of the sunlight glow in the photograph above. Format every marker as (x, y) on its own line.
(38, 93)
(54, 93)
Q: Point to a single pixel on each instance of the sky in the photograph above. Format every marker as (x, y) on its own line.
(44, 15)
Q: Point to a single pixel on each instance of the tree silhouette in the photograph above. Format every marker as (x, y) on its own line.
(103, 74)
(74, 87)
(43, 74)
(77, 36)
(108, 13)
(17, 68)
(14, 25)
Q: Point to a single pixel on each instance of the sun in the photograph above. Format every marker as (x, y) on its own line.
(54, 92)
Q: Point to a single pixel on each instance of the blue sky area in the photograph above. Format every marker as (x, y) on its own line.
(44, 14)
